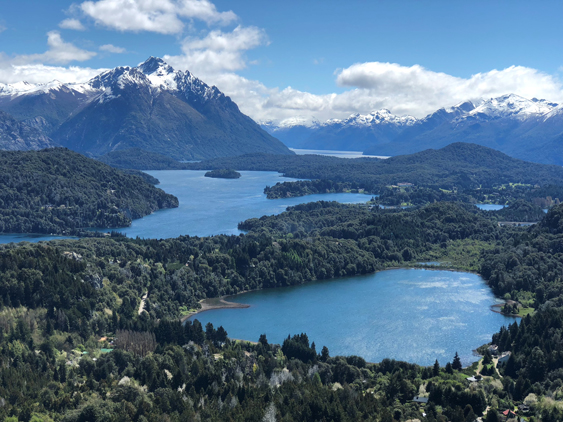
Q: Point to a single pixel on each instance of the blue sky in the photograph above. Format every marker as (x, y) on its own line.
(300, 59)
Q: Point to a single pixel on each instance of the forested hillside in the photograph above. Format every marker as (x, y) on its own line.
(59, 191)
(59, 298)
(464, 166)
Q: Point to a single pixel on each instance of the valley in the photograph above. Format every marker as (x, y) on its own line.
(321, 234)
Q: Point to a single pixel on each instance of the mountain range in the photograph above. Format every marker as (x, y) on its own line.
(522, 128)
(151, 106)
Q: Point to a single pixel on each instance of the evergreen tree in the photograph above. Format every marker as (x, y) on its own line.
(456, 364)
(436, 369)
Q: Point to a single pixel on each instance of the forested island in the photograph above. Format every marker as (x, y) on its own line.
(61, 192)
(223, 174)
(120, 300)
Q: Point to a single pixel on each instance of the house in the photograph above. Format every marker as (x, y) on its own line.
(493, 349)
(509, 414)
(404, 184)
(472, 379)
(523, 408)
(503, 359)
(421, 400)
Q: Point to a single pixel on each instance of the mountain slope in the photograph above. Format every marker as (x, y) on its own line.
(44, 106)
(16, 135)
(151, 106)
(56, 190)
(464, 165)
(358, 132)
(510, 124)
(522, 128)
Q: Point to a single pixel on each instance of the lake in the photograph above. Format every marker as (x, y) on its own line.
(333, 153)
(489, 207)
(210, 206)
(414, 315)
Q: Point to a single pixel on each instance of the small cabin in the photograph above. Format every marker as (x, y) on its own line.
(493, 349)
(420, 400)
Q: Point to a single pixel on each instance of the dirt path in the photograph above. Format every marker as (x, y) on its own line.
(142, 304)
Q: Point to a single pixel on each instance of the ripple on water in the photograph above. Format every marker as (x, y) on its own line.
(414, 315)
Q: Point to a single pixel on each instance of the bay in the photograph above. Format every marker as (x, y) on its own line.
(414, 315)
(210, 206)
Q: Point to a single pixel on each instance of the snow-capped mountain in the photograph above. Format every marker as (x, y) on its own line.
(355, 133)
(151, 106)
(527, 129)
(508, 106)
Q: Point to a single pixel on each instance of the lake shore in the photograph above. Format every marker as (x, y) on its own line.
(214, 303)
(221, 302)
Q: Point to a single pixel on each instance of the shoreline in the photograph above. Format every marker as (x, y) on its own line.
(496, 308)
(214, 303)
(209, 304)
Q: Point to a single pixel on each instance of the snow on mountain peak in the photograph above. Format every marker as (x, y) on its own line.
(161, 74)
(382, 116)
(512, 106)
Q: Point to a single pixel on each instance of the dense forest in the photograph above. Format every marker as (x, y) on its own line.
(59, 191)
(90, 330)
(139, 159)
(223, 174)
(459, 165)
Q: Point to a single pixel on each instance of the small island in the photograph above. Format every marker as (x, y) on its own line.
(223, 174)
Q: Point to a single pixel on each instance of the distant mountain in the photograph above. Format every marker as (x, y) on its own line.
(463, 165)
(526, 129)
(150, 106)
(139, 159)
(16, 135)
(510, 124)
(356, 133)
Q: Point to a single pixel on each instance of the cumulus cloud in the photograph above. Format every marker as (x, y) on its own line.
(418, 91)
(410, 90)
(72, 23)
(218, 51)
(59, 52)
(34, 68)
(162, 16)
(110, 48)
(39, 73)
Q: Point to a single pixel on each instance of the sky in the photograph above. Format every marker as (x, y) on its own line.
(300, 60)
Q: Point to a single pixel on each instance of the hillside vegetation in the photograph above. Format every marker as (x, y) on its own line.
(457, 165)
(58, 298)
(59, 191)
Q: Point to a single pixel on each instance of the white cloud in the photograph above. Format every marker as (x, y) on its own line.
(2, 28)
(218, 51)
(59, 52)
(419, 91)
(39, 73)
(72, 23)
(404, 90)
(110, 48)
(33, 68)
(161, 16)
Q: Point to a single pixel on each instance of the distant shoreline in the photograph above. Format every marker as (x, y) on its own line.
(214, 303)
(220, 302)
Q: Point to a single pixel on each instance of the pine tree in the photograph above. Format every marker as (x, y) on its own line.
(456, 364)
(436, 369)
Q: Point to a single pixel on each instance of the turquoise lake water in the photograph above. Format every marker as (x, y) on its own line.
(414, 315)
(210, 206)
